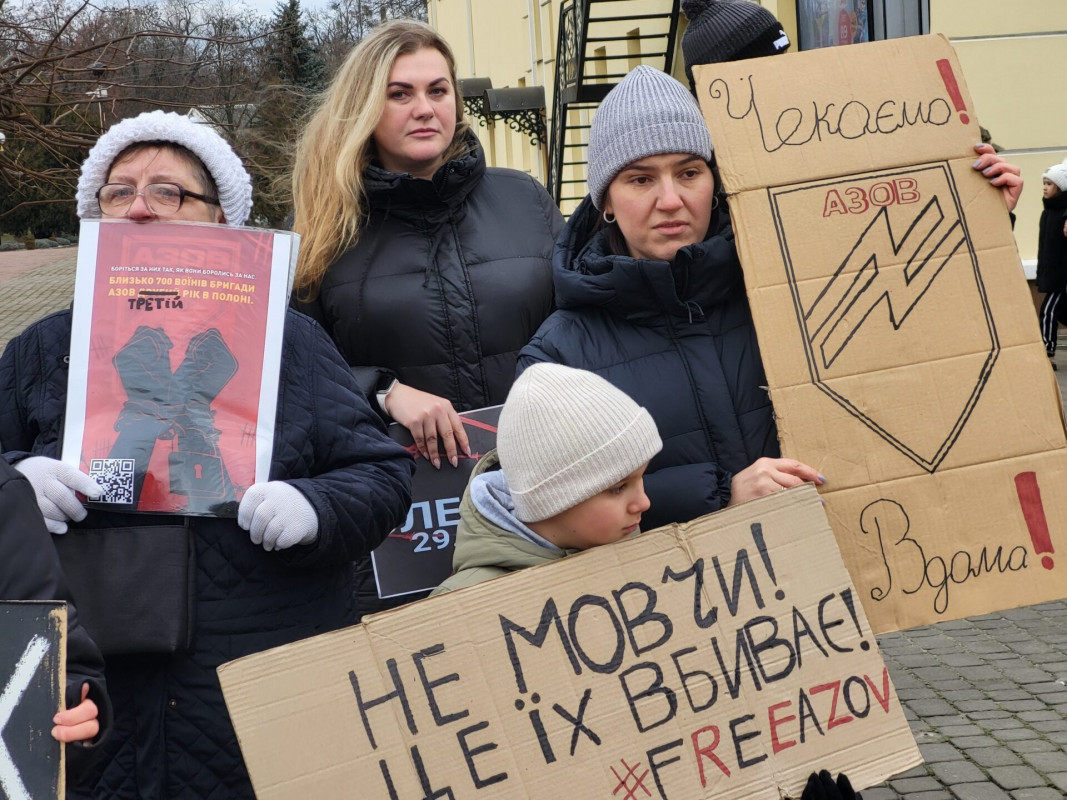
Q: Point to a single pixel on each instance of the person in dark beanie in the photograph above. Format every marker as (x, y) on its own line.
(728, 30)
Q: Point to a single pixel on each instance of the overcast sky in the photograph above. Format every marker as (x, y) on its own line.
(265, 8)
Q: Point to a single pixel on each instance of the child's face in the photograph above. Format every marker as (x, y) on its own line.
(607, 517)
(1049, 189)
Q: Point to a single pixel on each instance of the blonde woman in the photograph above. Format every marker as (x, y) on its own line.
(429, 269)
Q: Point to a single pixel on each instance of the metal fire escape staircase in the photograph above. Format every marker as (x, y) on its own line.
(599, 42)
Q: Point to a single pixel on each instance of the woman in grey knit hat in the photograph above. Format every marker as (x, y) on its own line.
(651, 298)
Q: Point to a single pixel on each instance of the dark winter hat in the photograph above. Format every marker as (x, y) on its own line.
(728, 30)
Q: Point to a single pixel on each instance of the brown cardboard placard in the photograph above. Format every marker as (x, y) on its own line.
(726, 658)
(900, 343)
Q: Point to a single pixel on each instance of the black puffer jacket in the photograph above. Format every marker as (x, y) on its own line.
(450, 278)
(678, 338)
(1052, 246)
(172, 737)
(30, 570)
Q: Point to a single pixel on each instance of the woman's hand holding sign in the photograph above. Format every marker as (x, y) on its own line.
(1004, 176)
(768, 475)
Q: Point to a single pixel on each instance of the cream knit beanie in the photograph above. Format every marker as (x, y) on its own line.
(229, 174)
(565, 435)
(647, 114)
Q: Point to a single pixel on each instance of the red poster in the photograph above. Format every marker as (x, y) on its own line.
(175, 354)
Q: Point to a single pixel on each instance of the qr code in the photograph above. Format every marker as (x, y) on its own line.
(115, 475)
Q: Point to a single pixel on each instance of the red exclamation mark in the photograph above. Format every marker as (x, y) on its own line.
(1034, 514)
(949, 78)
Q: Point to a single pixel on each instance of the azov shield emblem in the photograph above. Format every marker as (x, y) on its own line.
(875, 342)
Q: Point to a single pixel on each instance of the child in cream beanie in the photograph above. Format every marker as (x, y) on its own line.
(567, 475)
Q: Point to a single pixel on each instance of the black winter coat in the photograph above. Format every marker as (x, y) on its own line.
(30, 570)
(678, 338)
(449, 279)
(172, 736)
(1052, 246)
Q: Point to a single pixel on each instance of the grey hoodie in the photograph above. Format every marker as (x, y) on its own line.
(490, 540)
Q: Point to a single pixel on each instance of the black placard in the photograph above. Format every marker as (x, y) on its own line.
(418, 555)
(32, 645)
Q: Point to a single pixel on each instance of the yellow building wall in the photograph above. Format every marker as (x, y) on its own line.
(1011, 59)
(1011, 54)
(513, 42)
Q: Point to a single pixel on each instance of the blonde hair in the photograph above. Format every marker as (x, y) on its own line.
(338, 143)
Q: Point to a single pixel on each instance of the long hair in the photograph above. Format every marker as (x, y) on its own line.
(337, 144)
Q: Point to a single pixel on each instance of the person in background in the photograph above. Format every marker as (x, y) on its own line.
(1052, 255)
(727, 30)
(429, 269)
(279, 571)
(567, 475)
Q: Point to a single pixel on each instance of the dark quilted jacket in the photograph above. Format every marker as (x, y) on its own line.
(678, 338)
(450, 278)
(172, 737)
(1052, 246)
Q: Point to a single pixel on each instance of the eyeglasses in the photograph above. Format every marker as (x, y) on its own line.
(162, 199)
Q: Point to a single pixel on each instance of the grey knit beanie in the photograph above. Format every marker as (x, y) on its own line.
(728, 30)
(565, 435)
(1057, 173)
(647, 114)
(229, 174)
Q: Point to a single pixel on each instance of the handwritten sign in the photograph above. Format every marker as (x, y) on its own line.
(895, 324)
(721, 659)
(32, 674)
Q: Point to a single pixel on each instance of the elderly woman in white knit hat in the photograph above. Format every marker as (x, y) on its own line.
(338, 486)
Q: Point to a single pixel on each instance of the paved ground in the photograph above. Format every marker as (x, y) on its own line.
(986, 696)
(34, 283)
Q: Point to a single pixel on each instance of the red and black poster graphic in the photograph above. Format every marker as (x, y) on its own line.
(174, 362)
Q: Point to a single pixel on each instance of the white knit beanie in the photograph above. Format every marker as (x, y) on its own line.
(229, 174)
(565, 435)
(1057, 173)
(647, 114)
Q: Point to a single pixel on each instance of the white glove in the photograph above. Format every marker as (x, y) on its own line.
(277, 515)
(55, 482)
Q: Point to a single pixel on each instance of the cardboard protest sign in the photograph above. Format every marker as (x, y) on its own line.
(174, 362)
(417, 556)
(33, 656)
(896, 328)
(722, 659)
